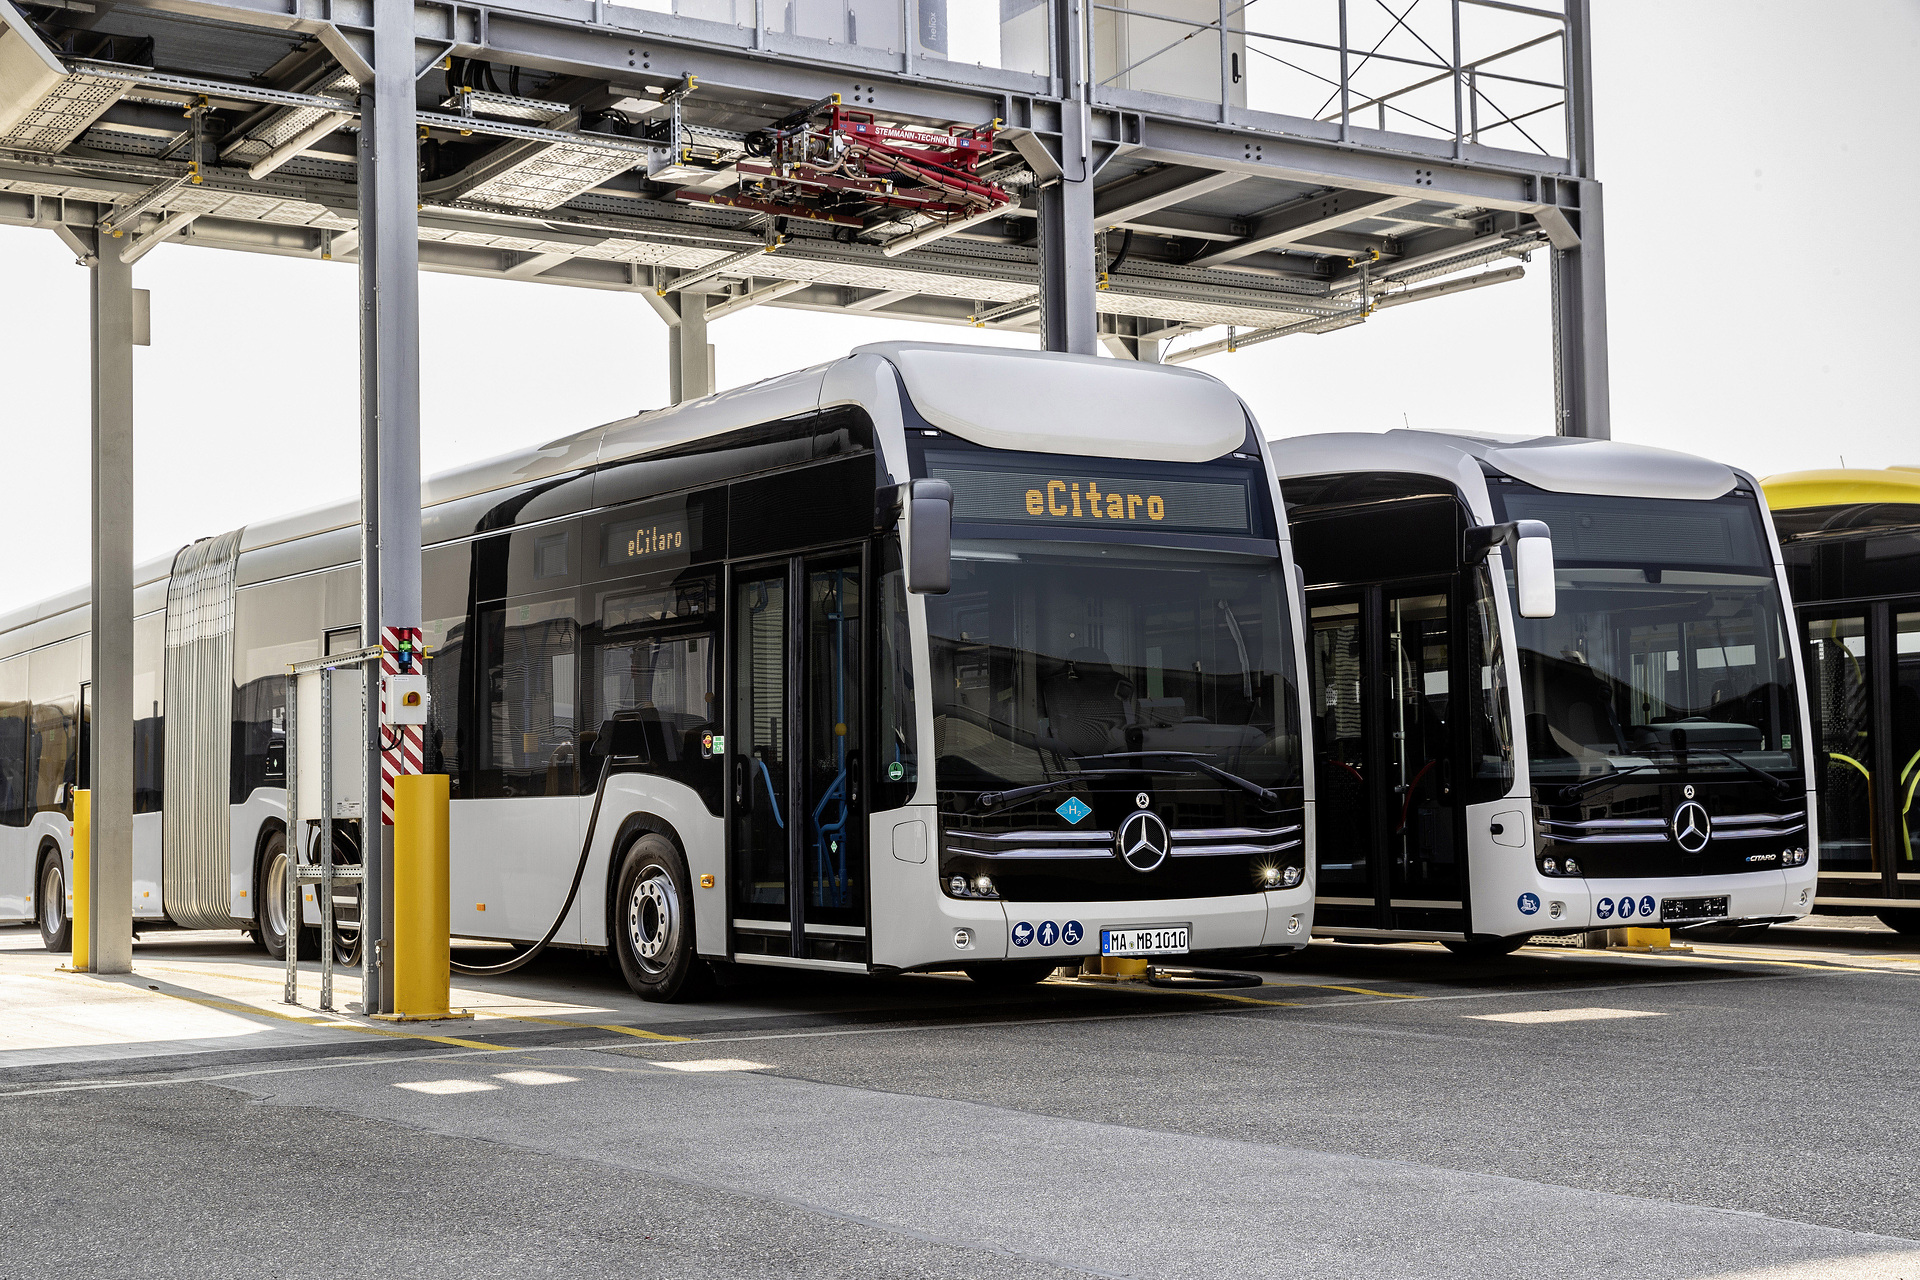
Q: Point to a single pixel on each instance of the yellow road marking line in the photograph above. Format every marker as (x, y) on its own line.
(1228, 995)
(234, 1006)
(636, 1032)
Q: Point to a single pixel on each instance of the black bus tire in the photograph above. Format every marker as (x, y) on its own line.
(56, 924)
(269, 902)
(1485, 946)
(653, 922)
(1010, 975)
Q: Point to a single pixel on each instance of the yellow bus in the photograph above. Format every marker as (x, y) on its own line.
(1850, 539)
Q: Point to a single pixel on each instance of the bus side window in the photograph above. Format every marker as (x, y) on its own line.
(652, 685)
(525, 740)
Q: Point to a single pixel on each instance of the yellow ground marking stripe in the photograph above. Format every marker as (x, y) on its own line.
(1359, 991)
(636, 1032)
(1228, 995)
(234, 1006)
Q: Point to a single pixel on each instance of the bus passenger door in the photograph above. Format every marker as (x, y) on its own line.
(797, 826)
(1381, 660)
(1424, 884)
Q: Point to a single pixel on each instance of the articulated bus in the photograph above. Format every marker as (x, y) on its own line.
(931, 658)
(1851, 541)
(1552, 690)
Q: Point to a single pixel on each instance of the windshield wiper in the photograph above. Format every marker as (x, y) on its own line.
(1191, 758)
(1783, 788)
(994, 799)
(1574, 790)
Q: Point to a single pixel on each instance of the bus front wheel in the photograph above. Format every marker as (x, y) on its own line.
(56, 927)
(1483, 946)
(653, 922)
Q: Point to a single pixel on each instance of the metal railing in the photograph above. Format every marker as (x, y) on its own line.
(1476, 72)
(325, 874)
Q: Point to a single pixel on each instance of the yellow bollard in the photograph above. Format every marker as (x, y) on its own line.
(421, 921)
(81, 915)
(1123, 966)
(1644, 940)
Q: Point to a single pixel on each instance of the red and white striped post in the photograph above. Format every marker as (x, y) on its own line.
(402, 747)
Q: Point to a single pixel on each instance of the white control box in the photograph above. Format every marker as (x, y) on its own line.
(406, 699)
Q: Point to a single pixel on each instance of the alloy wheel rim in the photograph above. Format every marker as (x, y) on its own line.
(53, 892)
(653, 919)
(275, 890)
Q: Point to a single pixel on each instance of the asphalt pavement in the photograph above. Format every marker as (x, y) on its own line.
(1383, 1111)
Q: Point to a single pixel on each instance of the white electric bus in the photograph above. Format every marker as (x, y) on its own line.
(933, 657)
(1554, 688)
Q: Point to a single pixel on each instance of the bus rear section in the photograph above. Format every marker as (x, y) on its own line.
(1631, 754)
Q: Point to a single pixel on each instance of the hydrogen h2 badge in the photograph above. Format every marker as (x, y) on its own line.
(1073, 809)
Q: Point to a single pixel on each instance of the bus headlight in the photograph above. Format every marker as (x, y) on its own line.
(983, 885)
(1290, 877)
(1793, 858)
(957, 886)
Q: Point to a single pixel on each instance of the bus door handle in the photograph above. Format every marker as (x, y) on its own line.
(739, 779)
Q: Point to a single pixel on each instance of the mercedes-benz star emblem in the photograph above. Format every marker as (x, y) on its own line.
(1144, 841)
(1692, 828)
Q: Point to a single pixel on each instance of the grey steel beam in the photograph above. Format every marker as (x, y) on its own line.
(689, 357)
(1300, 222)
(1069, 314)
(1358, 168)
(1581, 399)
(110, 768)
(1132, 199)
(880, 298)
(1581, 393)
(533, 264)
(390, 428)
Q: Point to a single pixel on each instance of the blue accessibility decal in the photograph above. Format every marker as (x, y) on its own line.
(1022, 934)
(1073, 808)
(1529, 904)
(1646, 905)
(1603, 908)
(1049, 933)
(1626, 908)
(1071, 932)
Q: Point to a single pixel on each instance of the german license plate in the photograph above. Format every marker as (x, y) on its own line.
(1168, 940)
(1687, 910)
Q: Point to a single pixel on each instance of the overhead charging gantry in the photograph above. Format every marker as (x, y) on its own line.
(1159, 178)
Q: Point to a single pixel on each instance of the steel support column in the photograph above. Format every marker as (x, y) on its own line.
(1580, 327)
(689, 356)
(1069, 320)
(389, 429)
(110, 768)
(1580, 273)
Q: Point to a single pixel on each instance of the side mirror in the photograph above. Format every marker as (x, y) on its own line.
(1533, 569)
(1532, 545)
(926, 510)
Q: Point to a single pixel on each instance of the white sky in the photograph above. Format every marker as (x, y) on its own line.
(1760, 312)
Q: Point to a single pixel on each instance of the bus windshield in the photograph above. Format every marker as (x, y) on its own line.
(1047, 654)
(1669, 643)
